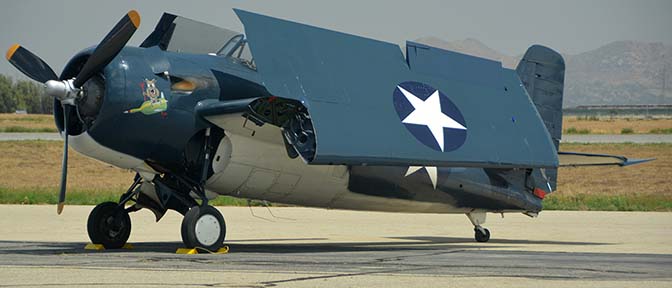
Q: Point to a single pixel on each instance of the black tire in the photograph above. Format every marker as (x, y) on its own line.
(190, 235)
(109, 225)
(480, 237)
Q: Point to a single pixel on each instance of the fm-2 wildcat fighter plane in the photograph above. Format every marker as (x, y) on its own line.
(301, 115)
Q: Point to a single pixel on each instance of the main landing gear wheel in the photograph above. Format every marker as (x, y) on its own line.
(109, 225)
(481, 236)
(203, 227)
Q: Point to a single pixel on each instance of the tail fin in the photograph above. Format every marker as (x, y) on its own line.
(542, 72)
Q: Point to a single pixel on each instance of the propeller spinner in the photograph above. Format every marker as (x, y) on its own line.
(68, 91)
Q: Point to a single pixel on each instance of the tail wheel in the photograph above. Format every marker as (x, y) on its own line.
(203, 227)
(481, 236)
(109, 225)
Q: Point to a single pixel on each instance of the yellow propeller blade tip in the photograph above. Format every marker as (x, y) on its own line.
(59, 208)
(12, 50)
(135, 18)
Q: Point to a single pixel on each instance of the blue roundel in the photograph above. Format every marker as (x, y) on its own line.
(430, 116)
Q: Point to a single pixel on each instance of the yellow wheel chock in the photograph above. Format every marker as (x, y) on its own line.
(100, 247)
(222, 250)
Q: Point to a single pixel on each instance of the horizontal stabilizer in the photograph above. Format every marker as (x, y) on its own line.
(574, 159)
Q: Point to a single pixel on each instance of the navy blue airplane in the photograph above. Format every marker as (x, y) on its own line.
(296, 114)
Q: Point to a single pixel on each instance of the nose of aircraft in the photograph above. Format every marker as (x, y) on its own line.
(69, 91)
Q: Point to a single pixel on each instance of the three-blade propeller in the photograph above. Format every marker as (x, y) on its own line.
(68, 90)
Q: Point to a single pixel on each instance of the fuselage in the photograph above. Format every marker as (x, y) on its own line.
(160, 128)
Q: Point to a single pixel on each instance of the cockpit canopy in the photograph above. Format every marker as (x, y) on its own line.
(178, 34)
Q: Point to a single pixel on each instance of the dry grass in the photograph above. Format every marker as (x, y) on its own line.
(615, 126)
(31, 172)
(37, 164)
(29, 121)
(34, 122)
(653, 178)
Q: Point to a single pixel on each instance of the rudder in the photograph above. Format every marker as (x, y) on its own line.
(542, 72)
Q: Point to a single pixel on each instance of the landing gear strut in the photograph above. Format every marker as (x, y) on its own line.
(203, 226)
(477, 218)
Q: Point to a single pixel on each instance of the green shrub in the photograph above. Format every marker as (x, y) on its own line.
(91, 197)
(21, 129)
(588, 118)
(627, 131)
(661, 131)
(634, 202)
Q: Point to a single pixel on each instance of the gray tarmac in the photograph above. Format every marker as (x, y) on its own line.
(303, 247)
(618, 138)
(30, 136)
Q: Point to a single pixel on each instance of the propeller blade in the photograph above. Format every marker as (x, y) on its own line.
(109, 47)
(31, 65)
(64, 163)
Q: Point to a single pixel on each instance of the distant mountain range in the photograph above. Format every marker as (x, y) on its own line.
(622, 72)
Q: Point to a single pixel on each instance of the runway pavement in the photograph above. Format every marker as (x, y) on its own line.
(30, 136)
(303, 247)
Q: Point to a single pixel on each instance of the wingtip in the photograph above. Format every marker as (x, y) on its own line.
(11, 51)
(135, 18)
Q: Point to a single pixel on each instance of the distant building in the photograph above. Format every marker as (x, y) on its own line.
(623, 107)
(645, 110)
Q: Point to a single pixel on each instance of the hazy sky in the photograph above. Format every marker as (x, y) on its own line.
(56, 30)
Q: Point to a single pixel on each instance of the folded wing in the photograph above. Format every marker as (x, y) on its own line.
(347, 84)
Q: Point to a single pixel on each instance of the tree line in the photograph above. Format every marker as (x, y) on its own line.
(28, 95)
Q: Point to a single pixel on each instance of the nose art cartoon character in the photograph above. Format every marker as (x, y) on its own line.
(154, 103)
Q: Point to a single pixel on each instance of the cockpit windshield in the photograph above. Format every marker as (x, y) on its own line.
(238, 48)
(178, 34)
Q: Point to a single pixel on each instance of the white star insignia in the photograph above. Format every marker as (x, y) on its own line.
(431, 171)
(428, 113)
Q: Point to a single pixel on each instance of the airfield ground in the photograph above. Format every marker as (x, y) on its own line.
(606, 125)
(580, 125)
(27, 123)
(641, 188)
(329, 248)
(304, 247)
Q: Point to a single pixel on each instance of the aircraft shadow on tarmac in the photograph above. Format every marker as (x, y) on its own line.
(296, 245)
(448, 240)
